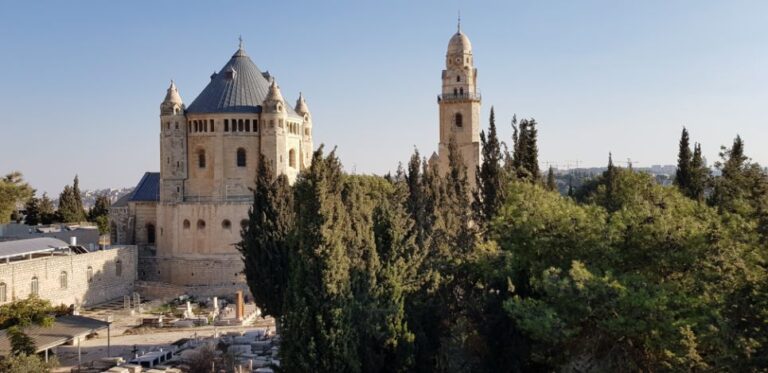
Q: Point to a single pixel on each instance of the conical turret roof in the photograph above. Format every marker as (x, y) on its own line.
(172, 95)
(239, 87)
(301, 105)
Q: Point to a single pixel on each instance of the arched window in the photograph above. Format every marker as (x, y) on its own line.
(201, 158)
(255, 125)
(461, 91)
(150, 234)
(212, 129)
(63, 280)
(455, 92)
(34, 288)
(226, 125)
(186, 224)
(201, 224)
(292, 158)
(240, 157)
(239, 125)
(247, 125)
(458, 78)
(3, 293)
(226, 224)
(89, 274)
(458, 119)
(118, 268)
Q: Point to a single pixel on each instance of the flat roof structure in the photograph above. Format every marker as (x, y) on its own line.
(63, 330)
(17, 248)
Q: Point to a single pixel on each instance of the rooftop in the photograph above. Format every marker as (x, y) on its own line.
(64, 328)
(10, 249)
(239, 87)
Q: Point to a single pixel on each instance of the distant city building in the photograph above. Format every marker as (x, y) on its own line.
(187, 217)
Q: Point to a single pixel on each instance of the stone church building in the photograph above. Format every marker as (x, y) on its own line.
(187, 217)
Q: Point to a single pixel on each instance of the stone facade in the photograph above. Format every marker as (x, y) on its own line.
(77, 279)
(460, 105)
(187, 225)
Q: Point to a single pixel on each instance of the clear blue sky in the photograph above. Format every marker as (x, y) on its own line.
(81, 82)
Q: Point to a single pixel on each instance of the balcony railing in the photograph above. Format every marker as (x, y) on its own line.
(459, 97)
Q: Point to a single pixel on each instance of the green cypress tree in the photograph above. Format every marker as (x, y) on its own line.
(100, 208)
(520, 137)
(78, 198)
(609, 178)
(71, 204)
(266, 243)
(551, 183)
(319, 333)
(699, 175)
(32, 208)
(47, 210)
(531, 154)
(683, 175)
(400, 277)
(489, 195)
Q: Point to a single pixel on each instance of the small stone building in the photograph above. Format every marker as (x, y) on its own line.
(64, 274)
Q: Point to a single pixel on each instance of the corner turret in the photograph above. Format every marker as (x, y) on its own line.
(172, 104)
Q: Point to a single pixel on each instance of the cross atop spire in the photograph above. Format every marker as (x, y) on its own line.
(458, 26)
(240, 38)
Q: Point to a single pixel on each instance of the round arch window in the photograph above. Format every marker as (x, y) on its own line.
(201, 224)
(226, 224)
(186, 224)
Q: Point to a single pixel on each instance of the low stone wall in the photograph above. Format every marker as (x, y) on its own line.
(218, 270)
(81, 279)
(164, 291)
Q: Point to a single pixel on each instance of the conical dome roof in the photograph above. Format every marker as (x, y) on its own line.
(239, 87)
(301, 105)
(172, 95)
(459, 43)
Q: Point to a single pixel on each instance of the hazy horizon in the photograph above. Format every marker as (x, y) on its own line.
(82, 85)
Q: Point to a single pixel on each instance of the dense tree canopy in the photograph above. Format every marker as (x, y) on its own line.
(415, 272)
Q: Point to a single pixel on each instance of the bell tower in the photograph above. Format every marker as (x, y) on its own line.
(460, 105)
(173, 146)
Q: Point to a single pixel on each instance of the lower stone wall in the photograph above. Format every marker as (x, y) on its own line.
(219, 270)
(80, 279)
(163, 291)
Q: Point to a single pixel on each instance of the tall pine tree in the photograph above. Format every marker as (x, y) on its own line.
(266, 240)
(489, 195)
(683, 175)
(699, 175)
(319, 333)
(71, 204)
(551, 182)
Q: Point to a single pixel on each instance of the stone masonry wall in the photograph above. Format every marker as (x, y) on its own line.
(112, 275)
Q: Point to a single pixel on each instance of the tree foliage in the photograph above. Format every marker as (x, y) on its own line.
(15, 316)
(26, 363)
(414, 272)
(13, 190)
(70, 204)
(266, 240)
